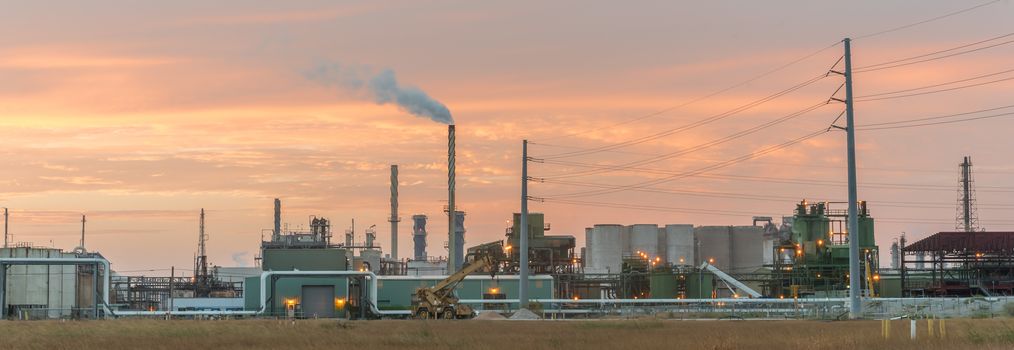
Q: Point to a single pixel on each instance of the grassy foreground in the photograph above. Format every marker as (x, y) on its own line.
(527, 335)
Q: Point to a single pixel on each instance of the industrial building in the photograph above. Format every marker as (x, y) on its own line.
(959, 264)
(36, 289)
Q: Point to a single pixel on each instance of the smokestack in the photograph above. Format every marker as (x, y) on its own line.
(452, 263)
(5, 227)
(419, 236)
(394, 212)
(276, 234)
(82, 230)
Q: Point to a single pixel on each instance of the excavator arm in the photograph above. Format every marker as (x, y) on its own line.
(450, 281)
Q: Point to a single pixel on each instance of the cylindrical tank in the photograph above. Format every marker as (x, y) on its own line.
(715, 245)
(680, 244)
(662, 284)
(606, 248)
(371, 257)
(644, 238)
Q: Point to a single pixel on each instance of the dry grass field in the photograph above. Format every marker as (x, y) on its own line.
(525, 335)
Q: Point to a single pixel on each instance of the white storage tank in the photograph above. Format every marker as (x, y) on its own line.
(606, 246)
(372, 258)
(680, 244)
(644, 238)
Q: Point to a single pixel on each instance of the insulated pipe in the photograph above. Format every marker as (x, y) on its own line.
(371, 275)
(660, 301)
(185, 313)
(4, 262)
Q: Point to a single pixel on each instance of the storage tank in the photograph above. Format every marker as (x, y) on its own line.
(606, 249)
(714, 243)
(679, 244)
(644, 238)
(747, 248)
(372, 258)
(663, 285)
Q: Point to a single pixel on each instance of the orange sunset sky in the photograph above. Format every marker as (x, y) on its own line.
(139, 114)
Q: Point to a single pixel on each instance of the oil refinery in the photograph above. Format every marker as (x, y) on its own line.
(798, 267)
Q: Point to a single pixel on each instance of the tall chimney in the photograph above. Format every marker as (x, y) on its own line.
(419, 236)
(452, 264)
(82, 230)
(394, 212)
(276, 234)
(5, 227)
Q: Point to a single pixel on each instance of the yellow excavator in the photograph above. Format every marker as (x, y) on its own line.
(439, 301)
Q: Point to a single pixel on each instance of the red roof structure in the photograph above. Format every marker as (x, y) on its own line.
(971, 242)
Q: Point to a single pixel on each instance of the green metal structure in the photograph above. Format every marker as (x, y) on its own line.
(814, 260)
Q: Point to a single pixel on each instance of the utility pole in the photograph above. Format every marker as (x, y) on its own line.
(523, 235)
(855, 277)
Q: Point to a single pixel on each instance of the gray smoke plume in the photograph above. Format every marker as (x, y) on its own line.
(239, 258)
(383, 88)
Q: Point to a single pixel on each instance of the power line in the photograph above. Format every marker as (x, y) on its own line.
(782, 180)
(934, 118)
(773, 198)
(949, 14)
(797, 165)
(940, 123)
(935, 52)
(705, 145)
(689, 126)
(710, 95)
(647, 207)
(934, 91)
(935, 85)
(730, 162)
(874, 68)
(628, 206)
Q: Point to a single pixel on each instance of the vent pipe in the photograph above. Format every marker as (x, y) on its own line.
(277, 232)
(394, 212)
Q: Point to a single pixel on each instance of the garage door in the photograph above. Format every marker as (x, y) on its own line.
(318, 301)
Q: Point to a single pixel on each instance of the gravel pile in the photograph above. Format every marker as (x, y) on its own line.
(524, 314)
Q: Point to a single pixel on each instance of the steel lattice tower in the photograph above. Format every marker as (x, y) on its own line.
(967, 218)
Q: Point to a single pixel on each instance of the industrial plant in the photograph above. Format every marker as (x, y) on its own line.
(307, 272)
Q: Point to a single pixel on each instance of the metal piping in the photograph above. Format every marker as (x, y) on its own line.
(55, 261)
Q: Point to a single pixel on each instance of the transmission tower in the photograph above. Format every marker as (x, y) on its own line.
(967, 218)
(202, 281)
